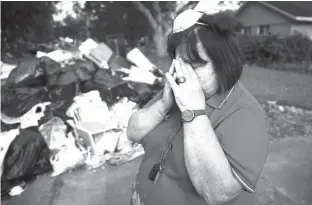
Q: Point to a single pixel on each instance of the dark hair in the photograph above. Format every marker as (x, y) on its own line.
(220, 43)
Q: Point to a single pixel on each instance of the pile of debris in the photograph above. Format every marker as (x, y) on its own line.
(64, 109)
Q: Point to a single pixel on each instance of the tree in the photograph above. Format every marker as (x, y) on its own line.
(25, 22)
(104, 18)
(160, 16)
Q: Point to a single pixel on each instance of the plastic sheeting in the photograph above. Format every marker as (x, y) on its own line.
(64, 155)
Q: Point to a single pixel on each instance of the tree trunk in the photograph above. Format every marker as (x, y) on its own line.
(160, 41)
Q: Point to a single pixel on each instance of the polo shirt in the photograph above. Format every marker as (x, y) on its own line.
(240, 126)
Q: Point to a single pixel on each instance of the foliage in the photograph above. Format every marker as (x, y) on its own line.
(24, 23)
(160, 17)
(271, 51)
(287, 121)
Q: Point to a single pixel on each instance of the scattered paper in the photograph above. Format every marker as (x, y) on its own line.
(139, 59)
(140, 75)
(87, 46)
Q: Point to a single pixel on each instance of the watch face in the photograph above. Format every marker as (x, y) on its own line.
(188, 115)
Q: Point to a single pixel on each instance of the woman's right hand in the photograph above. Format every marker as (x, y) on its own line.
(167, 99)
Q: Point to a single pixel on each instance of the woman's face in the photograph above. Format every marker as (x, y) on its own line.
(205, 72)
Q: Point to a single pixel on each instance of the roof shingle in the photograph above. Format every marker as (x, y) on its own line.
(295, 8)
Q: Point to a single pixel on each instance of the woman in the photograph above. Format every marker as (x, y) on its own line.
(204, 135)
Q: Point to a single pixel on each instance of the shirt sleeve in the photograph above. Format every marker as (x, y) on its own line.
(245, 141)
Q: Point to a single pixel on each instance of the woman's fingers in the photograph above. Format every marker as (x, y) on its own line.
(178, 69)
(174, 86)
(174, 76)
(184, 69)
(171, 69)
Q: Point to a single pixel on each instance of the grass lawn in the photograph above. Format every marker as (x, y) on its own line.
(285, 87)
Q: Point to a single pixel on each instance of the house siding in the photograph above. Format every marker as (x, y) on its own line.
(255, 14)
(305, 29)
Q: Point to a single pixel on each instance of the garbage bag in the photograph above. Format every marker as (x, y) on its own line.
(56, 75)
(54, 133)
(61, 97)
(88, 65)
(7, 127)
(64, 154)
(52, 70)
(17, 101)
(63, 92)
(83, 69)
(55, 109)
(83, 74)
(144, 91)
(111, 88)
(29, 119)
(116, 62)
(28, 73)
(27, 157)
(6, 139)
(65, 78)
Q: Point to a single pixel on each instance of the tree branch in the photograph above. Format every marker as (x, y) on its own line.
(157, 9)
(146, 12)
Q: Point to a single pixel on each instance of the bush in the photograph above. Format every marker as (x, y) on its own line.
(278, 52)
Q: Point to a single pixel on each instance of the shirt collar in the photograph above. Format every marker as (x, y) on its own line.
(217, 101)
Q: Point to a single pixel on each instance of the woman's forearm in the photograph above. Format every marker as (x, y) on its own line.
(206, 162)
(144, 120)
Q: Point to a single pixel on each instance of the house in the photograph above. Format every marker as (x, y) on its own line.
(276, 17)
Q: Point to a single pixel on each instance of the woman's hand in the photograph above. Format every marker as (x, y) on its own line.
(188, 95)
(166, 101)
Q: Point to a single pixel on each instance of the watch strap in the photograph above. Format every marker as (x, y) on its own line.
(198, 112)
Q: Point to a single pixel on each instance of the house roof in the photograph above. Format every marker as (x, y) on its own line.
(295, 10)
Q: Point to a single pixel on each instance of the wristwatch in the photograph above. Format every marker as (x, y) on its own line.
(189, 115)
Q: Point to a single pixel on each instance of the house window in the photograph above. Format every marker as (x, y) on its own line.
(264, 30)
(247, 30)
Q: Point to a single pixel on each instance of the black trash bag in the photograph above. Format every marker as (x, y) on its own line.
(144, 93)
(27, 73)
(27, 157)
(83, 69)
(83, 74)
(52, 70)
(88, 65)
(63, 92)
(6, 127)
(15, 102)
(61, 97)
(50, 66)
(111, 88)
(66, 78)
(116, 62)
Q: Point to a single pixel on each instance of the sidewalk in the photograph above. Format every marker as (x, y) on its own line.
(287, 175)
(286, 180)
